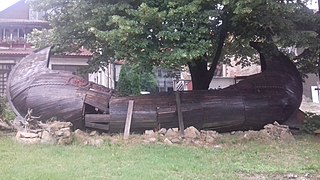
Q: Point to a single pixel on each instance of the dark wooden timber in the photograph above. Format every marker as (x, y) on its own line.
(272, 95)
(179, 113)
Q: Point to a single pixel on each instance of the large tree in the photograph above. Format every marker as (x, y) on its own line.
(173, 33)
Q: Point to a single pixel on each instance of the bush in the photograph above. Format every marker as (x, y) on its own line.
(6, 112)
(133, 80)
(312, 122)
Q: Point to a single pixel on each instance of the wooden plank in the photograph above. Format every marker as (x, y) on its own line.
(128, 120)
(179, 112)
(104, 127)
(97, 118)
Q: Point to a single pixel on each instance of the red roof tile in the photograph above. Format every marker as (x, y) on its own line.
(19, 52)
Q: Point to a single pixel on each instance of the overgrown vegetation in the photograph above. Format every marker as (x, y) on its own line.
(133, 80)
(312, 122)
(6, 112)
(122, 161)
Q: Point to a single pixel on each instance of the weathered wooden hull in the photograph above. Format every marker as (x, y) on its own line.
(273, 95)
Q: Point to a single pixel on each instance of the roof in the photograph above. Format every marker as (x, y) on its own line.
(24, 22)
(16, 52)
(27, 51)
(82, 52)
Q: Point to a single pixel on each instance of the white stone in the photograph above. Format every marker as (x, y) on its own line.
(149, 132)
(28, 135)
(162, 131)
(191, 132)
(167, 141)
(46, 138)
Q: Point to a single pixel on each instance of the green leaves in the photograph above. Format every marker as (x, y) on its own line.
(172, 33)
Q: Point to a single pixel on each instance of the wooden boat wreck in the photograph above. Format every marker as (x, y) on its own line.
(272, 95)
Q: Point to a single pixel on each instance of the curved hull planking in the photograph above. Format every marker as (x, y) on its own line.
(273, 95)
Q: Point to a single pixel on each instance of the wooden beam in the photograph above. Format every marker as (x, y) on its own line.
(128, 120)
(179, 112)
(97, 118)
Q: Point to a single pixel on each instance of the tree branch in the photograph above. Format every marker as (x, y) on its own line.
(222, 37)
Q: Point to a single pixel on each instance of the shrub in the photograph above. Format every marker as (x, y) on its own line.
(312, 122)
(133, 80)
(6, 112)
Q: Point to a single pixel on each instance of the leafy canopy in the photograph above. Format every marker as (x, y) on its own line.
(172, 33)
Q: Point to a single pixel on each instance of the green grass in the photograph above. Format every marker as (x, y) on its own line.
(122, 161)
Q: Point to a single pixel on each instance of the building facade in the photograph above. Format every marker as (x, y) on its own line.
(16, 22)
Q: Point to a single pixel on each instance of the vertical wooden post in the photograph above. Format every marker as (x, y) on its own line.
(179, 112)
(128, 120)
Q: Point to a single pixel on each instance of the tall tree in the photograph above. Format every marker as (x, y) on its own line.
(173, 33)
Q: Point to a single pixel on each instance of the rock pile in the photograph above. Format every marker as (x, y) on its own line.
(60, 133)
(51, 133)
(84, 138)
(191, 136)
(271, 132)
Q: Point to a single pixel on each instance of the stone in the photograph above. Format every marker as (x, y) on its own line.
(214, 134)
(233, 133)
(167, 141)
(58, 133)
(80, 136)
(46, 138)
(28, 135)
(191, 132)
(93, 133)
(175, 129)
(317, 132)
(64, 141)
(162, 131)
(29, 140)
(170, 132)
(37, 131)
(286, 137)
(152, 140)
(210, 139)
(239, 133)
(66, 132)
(57, 125)
(149, 133)
(176, 141)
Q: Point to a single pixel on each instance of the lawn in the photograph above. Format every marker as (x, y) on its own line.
(137, 161)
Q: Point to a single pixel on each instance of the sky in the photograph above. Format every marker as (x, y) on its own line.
(6, 3)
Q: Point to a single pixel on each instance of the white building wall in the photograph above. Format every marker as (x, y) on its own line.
(107, 76)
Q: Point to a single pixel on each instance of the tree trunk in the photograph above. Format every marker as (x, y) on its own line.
(199, 75)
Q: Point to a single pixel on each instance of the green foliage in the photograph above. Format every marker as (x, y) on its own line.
(6, 113)
(148, 82)
(312, 122)
(132, 80)
(41, 38)
(175, 33)
(129, 81)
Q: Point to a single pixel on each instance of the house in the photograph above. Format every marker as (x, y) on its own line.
(16, 22)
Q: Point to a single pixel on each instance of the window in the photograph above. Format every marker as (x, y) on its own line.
(4, 73)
